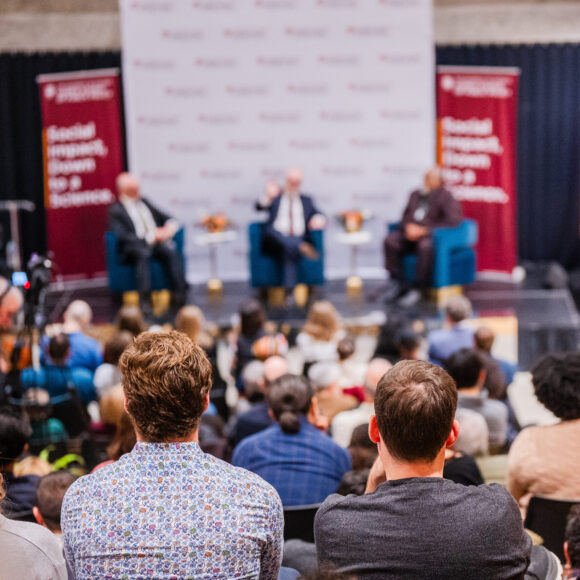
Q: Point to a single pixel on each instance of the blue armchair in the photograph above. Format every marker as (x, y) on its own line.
(266, 270)
(122, 277)
(454, 256)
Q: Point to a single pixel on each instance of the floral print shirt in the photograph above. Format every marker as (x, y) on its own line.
(168, 510)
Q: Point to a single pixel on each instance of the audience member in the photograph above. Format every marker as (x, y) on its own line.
(191, 321)
(409, 344)
(388, 335)
(572, 544)
(411, 521)
(46, 430)
(461, 468)
(28, 550)
(20, 491)
(130, 319)
(10, 303)
(112, 406)
(167, 509)
(58, 377)
(327, 573)
(467, 371)
(544, 460)
(352, 372)
(473, 438)
(362, 450)
(85, 351)
(495, 381)
(108, 375)
(144, 232)
(325, 380)
(50, 495)
(258, 418)
(320, 335)
(252, 319)
(123, 441)
(302, 463)
(344, 423)
(443, 343)
(32, 465)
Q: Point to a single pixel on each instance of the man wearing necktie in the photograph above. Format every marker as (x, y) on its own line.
(431, 207)
(143, 232)
(292, 216)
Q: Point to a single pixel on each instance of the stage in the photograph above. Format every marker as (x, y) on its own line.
(529, 320)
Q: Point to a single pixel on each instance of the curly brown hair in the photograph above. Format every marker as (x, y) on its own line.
(166, 378)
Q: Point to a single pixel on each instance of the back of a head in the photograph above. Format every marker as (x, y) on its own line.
(290, 398)
(458, 308)
(130, 318)
(58, 347)
(375, 372)
(274, 368)
(413, 394)
(465, 367)
(14, 435)
(115, 347)
(166, 378)
(483, 338)
(80, 312)
(49, 496)
(323, 375)
(252, 318)
(556, 380)
(190, 320)
(408, 342)
(253, 378)
(572, 535)
(473, 437)
(345, 348)
(323, 321)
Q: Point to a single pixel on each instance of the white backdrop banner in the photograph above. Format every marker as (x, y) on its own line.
(221, 96)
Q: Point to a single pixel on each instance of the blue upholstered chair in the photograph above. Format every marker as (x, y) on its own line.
(123, 278)
(266, 270)
(454, 255)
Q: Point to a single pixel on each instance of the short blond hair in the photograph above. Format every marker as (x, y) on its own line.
(323, 321)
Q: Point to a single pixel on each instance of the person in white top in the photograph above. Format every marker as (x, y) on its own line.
(143, 232)
(347, 421)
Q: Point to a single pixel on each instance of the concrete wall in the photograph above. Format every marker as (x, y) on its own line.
(44, 25)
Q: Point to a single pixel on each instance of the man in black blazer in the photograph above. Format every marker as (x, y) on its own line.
(143, 232)
(292, 216)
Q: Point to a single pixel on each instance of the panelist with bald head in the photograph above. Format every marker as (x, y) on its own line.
(293, 216)
(143, 231)
(430, 207)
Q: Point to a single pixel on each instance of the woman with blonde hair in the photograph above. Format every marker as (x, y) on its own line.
(320, 335)
(191, 321)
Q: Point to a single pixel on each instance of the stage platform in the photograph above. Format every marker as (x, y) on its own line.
(541, 320)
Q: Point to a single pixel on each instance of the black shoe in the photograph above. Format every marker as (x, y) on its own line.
(394, 290)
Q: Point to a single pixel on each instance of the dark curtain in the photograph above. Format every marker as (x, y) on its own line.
(20, 132)
(548, 135)
(548, 143)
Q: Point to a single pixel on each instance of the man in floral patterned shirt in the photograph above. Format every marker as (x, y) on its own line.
(167, 510)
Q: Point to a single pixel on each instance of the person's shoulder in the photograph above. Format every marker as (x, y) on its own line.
(335, 504)
(253, 441)
(82, 374)
(32, 535)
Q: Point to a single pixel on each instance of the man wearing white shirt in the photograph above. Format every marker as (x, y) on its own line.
(143, 232)
(292, 216)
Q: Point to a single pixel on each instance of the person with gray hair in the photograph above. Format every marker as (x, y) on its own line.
(300, 461)
(447, 341)
(325, 379)
(345, 423)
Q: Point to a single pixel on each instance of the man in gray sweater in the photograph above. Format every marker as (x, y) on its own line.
(412, 523)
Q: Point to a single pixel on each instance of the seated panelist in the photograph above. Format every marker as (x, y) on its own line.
(144, 232)
(292, 216)
(431, 207)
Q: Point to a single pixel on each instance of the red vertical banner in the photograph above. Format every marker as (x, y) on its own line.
(82, 153)
(476, 146)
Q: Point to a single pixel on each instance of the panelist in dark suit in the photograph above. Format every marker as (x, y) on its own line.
(292, 216)
(427, 208)
(143, 232)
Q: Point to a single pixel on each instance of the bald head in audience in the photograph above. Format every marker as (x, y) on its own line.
(77, 317)
(274, 368)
